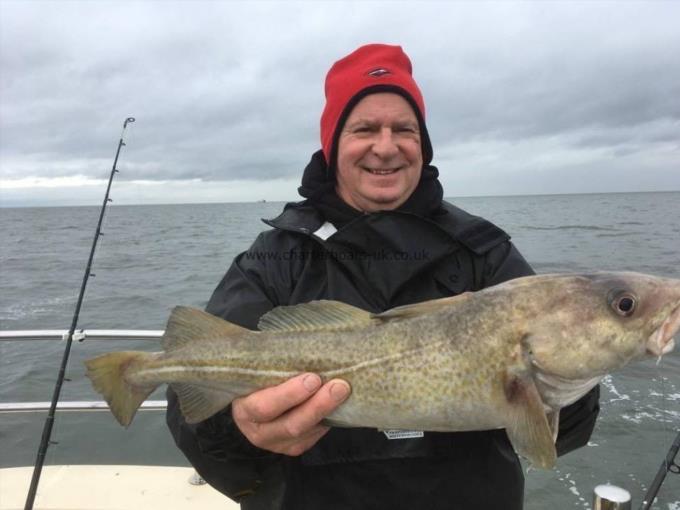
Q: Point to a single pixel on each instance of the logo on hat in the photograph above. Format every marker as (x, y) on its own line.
(378, 72)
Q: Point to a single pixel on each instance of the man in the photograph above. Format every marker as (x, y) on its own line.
(375, 233)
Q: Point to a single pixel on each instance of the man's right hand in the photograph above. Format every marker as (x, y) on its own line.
(286, 418)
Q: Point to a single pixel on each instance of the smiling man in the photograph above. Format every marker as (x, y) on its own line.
(373, 232)
(379, 156)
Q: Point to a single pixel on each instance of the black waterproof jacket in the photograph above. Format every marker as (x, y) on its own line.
(375, 262)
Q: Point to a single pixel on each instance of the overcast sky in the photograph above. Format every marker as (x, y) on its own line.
(522, 98)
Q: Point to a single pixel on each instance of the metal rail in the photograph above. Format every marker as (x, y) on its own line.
(30, 335)
(94, 405)
(81, 334)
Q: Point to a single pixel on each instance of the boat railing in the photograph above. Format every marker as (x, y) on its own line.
(83, 405)
(82, 334)
(75, 405)
(78, 335)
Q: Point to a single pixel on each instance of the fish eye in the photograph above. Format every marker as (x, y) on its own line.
(624, 304)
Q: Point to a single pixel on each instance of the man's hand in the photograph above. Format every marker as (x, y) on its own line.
(285, 418)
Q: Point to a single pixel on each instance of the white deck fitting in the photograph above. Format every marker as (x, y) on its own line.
(110, 488)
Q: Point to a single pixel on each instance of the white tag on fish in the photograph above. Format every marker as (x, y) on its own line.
(403, 434)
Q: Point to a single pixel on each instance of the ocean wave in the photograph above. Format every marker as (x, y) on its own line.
(671, 396)
(608, 383)
(570, 227)
(653, 414)
(618, 234)
(21, 311)
(558, 267)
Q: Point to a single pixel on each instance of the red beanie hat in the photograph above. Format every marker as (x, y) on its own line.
(368, 70)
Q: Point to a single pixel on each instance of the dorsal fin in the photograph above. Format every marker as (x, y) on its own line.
(417, 309)
(315, 316)
(190, 324)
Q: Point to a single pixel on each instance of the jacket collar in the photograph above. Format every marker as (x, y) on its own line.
(476, 233)
(297, 217)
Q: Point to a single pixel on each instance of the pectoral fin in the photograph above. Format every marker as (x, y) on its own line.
(528, 427)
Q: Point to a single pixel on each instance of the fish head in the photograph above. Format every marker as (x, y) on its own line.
(593, 324)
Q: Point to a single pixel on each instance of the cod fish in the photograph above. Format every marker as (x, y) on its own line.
(509, 356)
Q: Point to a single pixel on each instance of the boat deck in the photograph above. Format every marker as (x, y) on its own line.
(91, 487)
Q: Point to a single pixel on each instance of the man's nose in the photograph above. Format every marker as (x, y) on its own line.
(385, 145)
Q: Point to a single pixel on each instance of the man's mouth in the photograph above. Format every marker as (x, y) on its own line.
(381, 171)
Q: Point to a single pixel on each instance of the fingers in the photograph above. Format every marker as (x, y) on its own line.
(304, 419)
(285, 418)
(269, 403)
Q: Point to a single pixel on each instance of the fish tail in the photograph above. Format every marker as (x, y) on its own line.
(107, 373)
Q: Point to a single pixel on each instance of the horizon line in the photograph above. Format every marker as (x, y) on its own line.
(113, 204)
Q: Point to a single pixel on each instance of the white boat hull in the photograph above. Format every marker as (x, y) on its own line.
(85, 487)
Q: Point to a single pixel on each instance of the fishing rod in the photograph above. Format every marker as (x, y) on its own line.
(667, 465)
(49, 421)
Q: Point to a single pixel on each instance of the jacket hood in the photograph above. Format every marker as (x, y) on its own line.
(318, 186)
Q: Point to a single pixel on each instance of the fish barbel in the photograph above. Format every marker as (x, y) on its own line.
(509, 356)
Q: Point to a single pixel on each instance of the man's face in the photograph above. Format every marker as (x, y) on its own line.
(379, 154)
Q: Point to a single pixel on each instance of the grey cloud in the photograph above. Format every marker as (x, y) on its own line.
(234, 90)
(561, 70)
(550, 98)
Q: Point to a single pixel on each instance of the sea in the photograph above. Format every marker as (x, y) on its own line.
(153, 257)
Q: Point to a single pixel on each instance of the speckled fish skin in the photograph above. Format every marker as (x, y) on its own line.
(503, 357)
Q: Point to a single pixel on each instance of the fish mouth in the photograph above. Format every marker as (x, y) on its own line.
(661, 341)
